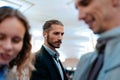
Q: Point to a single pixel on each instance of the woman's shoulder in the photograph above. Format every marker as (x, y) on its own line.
(11, 75)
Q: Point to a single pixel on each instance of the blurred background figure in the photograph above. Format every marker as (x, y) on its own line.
(47, 64)
(15, 45)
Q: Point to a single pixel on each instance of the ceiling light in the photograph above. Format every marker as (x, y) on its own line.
(22, 5)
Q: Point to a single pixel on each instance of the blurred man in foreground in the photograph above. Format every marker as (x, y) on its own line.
(103, 18)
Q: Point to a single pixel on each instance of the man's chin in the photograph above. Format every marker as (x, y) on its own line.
(97, 32)
(57, 47)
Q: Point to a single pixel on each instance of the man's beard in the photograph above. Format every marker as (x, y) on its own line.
(52, 44)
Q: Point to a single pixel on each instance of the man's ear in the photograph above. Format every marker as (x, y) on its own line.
(45, 35)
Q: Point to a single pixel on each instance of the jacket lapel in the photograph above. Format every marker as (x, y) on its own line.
(51, 63)
(112, 61)
(65, 77)
(89, 59)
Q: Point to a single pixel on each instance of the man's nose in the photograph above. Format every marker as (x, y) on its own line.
(81, 15)
(60, 36)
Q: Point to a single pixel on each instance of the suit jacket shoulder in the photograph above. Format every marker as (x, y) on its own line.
(46, 68)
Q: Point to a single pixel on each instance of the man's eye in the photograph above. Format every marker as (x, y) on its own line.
(62, 34)
(84, 2)
(56, 33)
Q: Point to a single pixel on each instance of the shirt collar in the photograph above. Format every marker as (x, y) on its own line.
(50, 51)
(110, 34)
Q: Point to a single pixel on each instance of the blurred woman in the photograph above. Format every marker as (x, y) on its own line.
(15, 45)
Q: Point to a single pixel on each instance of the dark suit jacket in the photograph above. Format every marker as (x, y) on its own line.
(46, 68)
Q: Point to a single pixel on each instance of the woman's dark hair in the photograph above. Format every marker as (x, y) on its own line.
(6, 12)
